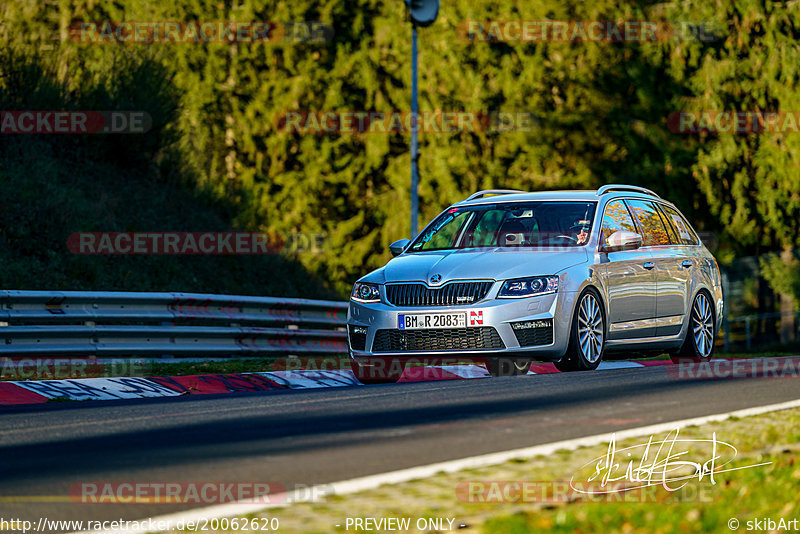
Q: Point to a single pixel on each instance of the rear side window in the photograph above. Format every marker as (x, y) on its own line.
(654, 233)
(616, 217)
(685, 234)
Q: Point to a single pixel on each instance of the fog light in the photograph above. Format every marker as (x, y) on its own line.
(525, 325)
(359, 330)
(534, 333)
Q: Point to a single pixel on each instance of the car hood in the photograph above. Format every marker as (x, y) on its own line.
(496, 263)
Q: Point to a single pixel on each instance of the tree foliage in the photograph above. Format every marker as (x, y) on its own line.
(601, 112)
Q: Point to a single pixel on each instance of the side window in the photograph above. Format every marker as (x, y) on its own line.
(616, 217)
(686, 236)
(655, 233)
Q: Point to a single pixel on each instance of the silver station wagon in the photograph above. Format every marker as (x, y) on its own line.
(508, 277)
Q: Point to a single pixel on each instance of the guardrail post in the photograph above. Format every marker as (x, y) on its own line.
(725, 309)
(747, 331)
(797, 326)
(727, 337)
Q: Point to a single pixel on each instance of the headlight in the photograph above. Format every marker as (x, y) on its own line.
(365, 293)
(528, 287)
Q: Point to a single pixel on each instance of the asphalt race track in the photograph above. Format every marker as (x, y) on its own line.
(317, 436)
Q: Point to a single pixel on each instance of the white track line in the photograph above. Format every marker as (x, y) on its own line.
(424, 471)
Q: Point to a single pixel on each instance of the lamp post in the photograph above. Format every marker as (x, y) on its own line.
(422, 13)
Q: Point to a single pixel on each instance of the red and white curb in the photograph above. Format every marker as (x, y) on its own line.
(81, 389)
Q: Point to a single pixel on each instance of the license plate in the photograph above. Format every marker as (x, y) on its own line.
(422, 321)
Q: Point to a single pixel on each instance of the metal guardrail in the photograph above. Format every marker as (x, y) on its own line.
(103, 323)
(748, 320)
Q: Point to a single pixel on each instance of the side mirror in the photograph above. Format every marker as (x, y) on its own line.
(622, 240)
(399, 246)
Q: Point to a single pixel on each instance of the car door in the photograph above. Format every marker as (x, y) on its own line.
(671, 274)
(629, 279)
(677, 295)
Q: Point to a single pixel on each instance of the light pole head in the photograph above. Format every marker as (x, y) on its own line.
(423, 12)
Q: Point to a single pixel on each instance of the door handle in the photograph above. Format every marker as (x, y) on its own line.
(686, 263)
(649, 265)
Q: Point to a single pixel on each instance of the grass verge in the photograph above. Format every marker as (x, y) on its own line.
(746, 495)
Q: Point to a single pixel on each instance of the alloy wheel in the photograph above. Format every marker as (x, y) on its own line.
(702, 326)
(590, 328)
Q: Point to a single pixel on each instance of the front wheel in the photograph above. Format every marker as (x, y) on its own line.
(699, 343)
(587, 335)
(508, 366)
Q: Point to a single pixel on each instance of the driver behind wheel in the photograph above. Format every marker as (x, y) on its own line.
(580, 230)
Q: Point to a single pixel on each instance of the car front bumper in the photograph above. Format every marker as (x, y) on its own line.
(495, 313)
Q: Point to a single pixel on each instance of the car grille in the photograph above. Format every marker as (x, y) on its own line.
(482, 338)
(533, 333)
(451, 294)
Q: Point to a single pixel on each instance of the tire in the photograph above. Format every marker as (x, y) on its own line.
(700, 334)
(377, 372)
(589, 325)
(508, 366)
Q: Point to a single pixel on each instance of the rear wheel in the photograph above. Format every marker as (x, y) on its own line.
(378, 371)
(508, 366)
(699, 343)
(587, 337)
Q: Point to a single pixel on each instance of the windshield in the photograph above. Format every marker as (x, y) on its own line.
(529, 224)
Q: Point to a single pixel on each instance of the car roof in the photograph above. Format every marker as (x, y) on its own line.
(585, 195)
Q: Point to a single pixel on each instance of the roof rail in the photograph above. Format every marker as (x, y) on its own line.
(621, 187)
(481, 194)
